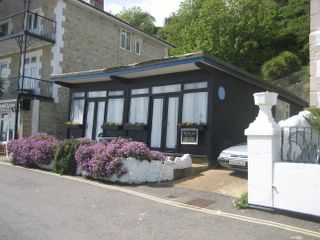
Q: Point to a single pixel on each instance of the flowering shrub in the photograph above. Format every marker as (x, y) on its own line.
(64, 156)
(104, 159)
(35, 150)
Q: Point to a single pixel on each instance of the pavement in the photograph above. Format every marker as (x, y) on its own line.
(35, 204)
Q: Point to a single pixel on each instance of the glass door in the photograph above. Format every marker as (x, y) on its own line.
(172, 122)
(156, 128)
(164, 128)
(95, 118)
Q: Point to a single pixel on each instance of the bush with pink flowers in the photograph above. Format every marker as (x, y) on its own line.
(33, 151)
(104, 159)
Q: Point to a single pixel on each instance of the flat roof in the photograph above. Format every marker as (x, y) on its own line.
(167, 65)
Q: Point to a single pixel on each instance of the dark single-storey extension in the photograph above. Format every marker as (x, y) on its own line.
(193, 103)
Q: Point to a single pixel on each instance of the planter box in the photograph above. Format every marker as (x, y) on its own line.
(111, 128)
(74, 126)
(199, 127)
(133, 127)
(75, 131)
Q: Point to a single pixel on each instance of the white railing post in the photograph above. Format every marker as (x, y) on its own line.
(264, 140)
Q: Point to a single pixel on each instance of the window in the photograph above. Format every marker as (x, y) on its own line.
(77, 108)
(139, 110)
(31, 75)
(125, 40)
(139, 91)
(4, 74)
(282, 110)
(97, 94)
(167, 89)
(195, 107)
(138, 47)
(115, 110)
(115, 93)
(77, 94)
(197, 85)
(4, 29)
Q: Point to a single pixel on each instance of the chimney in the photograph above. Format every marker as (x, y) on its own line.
(97, 4)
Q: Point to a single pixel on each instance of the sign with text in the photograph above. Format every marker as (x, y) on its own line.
(189, 136)
(7, 106)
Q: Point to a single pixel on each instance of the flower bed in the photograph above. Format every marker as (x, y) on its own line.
(34, 151)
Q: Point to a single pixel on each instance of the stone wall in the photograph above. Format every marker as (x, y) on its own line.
(315, 53)
(92, 40)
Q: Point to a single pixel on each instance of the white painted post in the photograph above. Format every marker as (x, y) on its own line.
(264, 139)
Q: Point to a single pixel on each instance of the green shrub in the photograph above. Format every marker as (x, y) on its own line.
(314, 119)
(64, 157)
(280, 66)
(242, 202)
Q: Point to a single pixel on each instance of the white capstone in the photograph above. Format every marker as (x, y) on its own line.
(183, 162)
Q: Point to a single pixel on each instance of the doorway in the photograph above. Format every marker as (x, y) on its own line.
(164, 122)
(95, 118)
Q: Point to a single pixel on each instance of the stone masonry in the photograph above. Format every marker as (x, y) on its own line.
(315, 53)
(90, 40)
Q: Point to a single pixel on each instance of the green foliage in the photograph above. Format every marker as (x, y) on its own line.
(280, 66)
(64, 159)
(314, 119)
(138, 18)
(246, 33)
(242, 202)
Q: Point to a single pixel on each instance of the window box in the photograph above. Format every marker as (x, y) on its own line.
(199, 126)
(111, 126)
(134, 126)
(73, 125)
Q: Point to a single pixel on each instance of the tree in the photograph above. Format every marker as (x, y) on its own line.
(237, 31)
(246, 33)
(138, 18)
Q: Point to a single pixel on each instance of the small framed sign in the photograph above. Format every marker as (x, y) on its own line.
(189, 136)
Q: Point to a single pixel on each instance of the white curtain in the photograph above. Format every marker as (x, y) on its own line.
(195, 107)
(90, 115)
(139, 110)
(156, 123)
(100, 117)
(115, 110)
(77, 108)
(172, 122)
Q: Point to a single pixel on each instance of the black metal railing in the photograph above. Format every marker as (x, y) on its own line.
(35, 87)
(30, 23)
(28, 87)
(300, 144)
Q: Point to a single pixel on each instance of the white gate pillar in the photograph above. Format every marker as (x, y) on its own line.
(264, 142)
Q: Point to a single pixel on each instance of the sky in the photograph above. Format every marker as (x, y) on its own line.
(159, 9)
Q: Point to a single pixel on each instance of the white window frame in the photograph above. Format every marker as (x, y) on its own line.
(139, 41)
(125, 33)
(38, 55)
(6, 61)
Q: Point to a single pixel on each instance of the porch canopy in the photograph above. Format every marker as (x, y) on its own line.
(168, 65)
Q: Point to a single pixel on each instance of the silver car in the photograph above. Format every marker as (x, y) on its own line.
(235, 157)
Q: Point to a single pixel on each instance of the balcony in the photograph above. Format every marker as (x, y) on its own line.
(29, 87)
(28, 23)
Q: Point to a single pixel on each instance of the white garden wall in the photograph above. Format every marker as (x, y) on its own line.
(272, 183)
(297, 187)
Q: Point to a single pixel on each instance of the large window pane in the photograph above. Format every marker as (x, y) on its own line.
(139, 110)
(197, 85)
(77, 108)
(115, 110)
(195, 107)
(156, 123)
(172, 122)
(100, 117)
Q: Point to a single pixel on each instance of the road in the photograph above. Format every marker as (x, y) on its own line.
(35, 206)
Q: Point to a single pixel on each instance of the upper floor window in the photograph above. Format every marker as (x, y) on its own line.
(125, 40)
(138, 47)
(4, 29)
(4, 74)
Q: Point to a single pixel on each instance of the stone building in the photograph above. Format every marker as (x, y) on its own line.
(315, 53)
(39, 38)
